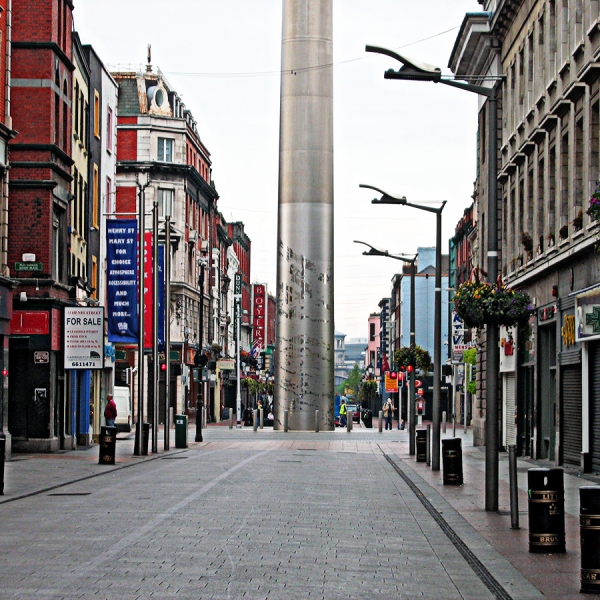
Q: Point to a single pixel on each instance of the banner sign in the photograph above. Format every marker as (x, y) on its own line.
(84, 338)
(148, 291)
(161, 298)
(121, 267)
(260, 310)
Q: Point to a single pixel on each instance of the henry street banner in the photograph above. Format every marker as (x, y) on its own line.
(121, 262)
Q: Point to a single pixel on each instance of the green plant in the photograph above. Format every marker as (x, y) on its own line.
(563, 232)
(421, 359)
(470, 358)
(527, 242)
(578, 221)
(594, 206)
(481, 303)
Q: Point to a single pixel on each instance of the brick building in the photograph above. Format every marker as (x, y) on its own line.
(40, 415)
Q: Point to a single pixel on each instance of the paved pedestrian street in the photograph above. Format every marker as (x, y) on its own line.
(249, 515)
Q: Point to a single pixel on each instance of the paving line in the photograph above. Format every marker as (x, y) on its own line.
(478, 567)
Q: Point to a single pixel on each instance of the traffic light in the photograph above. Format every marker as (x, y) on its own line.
(409, 369)
(393, 375)
(200, 359)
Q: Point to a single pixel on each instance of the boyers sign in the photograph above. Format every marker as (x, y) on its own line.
(260, 313)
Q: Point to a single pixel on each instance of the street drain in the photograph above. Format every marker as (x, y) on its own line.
(71, 494)
(294, 461)
(174, 457)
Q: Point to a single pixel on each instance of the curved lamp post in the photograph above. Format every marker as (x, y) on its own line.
(416, 71)
(411, 382)
(387, 198)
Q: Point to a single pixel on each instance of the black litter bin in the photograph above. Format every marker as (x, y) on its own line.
(421, 445)
(181, 431)
(367, 418)
(546, 510)
(2, 461)
(452, 461)
(108, 445)
(589, 523)
(146, 434)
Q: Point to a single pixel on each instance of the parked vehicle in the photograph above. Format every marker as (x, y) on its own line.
(122, 399)
(355, 412)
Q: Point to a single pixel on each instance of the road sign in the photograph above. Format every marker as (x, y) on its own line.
(29, 266)
(237, 290)
(420, 391)
(41, 357)
(418, 383)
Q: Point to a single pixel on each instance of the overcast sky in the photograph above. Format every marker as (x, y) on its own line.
(415, 139)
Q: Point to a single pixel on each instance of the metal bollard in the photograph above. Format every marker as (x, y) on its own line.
(254, 420)
(261, 418)
(453, 425)
(443, 421)
(285, 420)
(514, 490)
(589, 524)
(428, 447)
(349, 422)
(546, 510)
(171, 419)
(231, 418)
(421, 445)
(204, 417)
(316, 421)
(452, 461)
(380, 421)
(2, 461)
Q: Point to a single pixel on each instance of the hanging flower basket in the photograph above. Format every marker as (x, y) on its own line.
(481, 303)
(594, 206)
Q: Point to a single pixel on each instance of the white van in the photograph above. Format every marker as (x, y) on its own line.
(122, 399)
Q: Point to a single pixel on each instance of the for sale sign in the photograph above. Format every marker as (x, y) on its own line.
(84, 338)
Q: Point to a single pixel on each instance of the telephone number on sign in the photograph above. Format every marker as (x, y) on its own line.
(89, 363)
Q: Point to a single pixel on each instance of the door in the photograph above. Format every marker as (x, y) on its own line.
(546, 418)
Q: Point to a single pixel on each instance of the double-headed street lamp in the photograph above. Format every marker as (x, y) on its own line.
(416, 71)
(411, 389)
(387, 198)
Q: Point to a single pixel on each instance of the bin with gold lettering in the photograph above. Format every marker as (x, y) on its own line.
(546, 510)
(589, 523)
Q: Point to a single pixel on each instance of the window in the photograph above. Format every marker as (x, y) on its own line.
(165, 150)
(96, 114)
(95, 203)
(165, 202)
(108, 201)
(94, 281)
(371, 332)
(109, 129)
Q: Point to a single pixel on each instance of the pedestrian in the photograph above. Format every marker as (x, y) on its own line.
(270, 418)
(388, 413)
(110, 411)
(343, 412)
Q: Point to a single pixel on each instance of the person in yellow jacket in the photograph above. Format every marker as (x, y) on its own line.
(343, 413)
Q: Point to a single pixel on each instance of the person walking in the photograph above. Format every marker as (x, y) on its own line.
(110, 411)
(388, 413)
(343, 413)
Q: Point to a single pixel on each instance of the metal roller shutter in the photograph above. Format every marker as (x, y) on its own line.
(571, 414)
(509, 403)
(594, 370)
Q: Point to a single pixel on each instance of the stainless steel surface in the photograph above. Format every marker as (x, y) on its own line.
(305, 327)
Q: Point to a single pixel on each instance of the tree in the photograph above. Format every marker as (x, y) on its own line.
(470, 358)
(421, 359)
(368, 390)
(352, 382)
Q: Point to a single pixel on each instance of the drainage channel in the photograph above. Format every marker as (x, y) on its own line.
(478, 567)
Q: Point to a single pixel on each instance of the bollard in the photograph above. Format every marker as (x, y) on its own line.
(316, 421)
(108, 445)
(285, 420)
(204, 417)
(453, 425)
(589, 524)
(171, 420)
(380, 421)
(428, 447)
(421, 445)
(514, 490)
(2, 461)
(546, 510)
(349, 422)
(452, 461)
(444, 421)
(261, 418)
(231, 418)
(254, 420)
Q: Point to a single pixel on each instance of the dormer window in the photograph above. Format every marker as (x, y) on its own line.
(158, 100)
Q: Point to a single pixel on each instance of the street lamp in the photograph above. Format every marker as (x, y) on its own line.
(413, 70)
(387, 198)
(411, 389)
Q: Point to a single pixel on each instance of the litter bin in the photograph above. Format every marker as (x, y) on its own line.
(546, 510)
(421, 445)
(108, 445)
(367, 418)
(145, 430)
(2, 461)
(589, 523)
(452, 461)
(181, 431)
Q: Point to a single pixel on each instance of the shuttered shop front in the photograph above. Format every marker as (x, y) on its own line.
(571, 414)
(594, 368)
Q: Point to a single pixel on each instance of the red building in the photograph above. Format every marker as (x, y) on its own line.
(39, 415)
